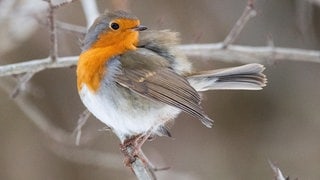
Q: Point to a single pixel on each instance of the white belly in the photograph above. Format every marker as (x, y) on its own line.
(124, 113)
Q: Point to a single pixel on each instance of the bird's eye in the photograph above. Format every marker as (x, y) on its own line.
(114, 26)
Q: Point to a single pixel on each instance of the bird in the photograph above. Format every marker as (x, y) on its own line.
(136, 81)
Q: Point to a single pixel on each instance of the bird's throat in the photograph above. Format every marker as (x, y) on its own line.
(92, 66)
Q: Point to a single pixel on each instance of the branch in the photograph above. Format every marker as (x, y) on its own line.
(81, 122)
(139, 164)
(37, 65)
(250, 54)
(90, 9)
(71, 28)
(53, 32)
(234, 53)
(56, 6)
(141, 171)
(22, 82)
(277, 172)
(247, 14)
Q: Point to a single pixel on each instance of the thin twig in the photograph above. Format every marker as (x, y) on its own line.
(277, 172)
(63, 3)
(53, 32)
(247, 14)
(22, 81)
(71, 28)
(80, 123)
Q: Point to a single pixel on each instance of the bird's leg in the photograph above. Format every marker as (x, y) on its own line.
(131, 148)
(126, 148)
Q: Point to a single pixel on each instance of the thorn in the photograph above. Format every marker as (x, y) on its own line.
(277, 172)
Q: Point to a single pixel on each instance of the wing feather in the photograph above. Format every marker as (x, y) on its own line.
(160, 83)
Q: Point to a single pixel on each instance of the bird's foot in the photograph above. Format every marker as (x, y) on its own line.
(131, 148)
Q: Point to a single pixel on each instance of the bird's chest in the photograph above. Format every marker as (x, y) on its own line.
(124, 111)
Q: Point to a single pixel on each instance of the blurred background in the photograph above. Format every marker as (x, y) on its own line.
(280, 123)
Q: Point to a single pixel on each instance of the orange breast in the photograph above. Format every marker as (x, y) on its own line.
(92, 63)
(91, 69)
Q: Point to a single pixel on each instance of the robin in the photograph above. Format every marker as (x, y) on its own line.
(136, 81)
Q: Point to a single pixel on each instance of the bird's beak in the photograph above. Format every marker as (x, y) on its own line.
(140, 28)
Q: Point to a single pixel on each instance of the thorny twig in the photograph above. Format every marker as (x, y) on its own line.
(247, 14)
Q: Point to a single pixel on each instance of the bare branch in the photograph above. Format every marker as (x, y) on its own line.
(71, 27)
(81, 122)
(234, 53)
(90, 9)
(22, 81)
(63, 3)
(247, 14)
(37, 65)
(140, 168)
(249, 54)
(142, 172)
(53, 32)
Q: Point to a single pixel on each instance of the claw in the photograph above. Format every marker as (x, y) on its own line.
(131, 148)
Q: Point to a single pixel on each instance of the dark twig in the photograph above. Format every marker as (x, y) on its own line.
(247, 14)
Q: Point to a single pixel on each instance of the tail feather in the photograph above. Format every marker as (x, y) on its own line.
(246, 77)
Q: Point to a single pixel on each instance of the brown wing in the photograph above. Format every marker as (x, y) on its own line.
(149, 75)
